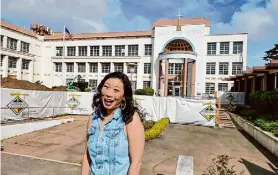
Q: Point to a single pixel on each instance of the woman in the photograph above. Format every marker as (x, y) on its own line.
(115, 139)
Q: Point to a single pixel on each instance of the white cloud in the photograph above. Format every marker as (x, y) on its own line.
(258, 22)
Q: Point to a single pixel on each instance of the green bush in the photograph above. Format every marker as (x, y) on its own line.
(146, 91)
(157, 129)
(148, 124)
(269, 126)
(87, 89)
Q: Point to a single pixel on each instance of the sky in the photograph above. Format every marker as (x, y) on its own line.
(259, 18)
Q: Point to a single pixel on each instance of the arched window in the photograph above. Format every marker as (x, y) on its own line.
(178, 45)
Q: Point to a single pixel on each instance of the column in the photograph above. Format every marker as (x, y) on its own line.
(76, 51)
(5, 41)
(88, 51)
(275, 81)
(245, 90)
(113, 50)
(31, 71)
(185, 76)
(265, 82)
(166, 77)
(125, 68)
(139, 76)
(64, 70)
(193, 78)
(18, 45)
(87, 70)
(98, 73)
(239, 84)
(19, 68)
(75, 68)
(253, 84)
(100, 50)
(112, 67)
(5, 65)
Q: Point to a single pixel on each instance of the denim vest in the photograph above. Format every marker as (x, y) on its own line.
(108, 149)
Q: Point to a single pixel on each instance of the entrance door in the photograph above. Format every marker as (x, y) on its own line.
(177, 91)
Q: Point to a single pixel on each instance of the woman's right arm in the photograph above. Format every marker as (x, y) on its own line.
(86, 157)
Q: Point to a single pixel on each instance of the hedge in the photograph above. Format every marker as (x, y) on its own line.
(157, 129)
(146, 91)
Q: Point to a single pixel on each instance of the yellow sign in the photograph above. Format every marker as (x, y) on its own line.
(73, 102)
(17, 105)
(208, 112)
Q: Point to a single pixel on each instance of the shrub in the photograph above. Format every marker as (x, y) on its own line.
(157, 129)
(269, 126)
(87, 89)
(220, 167)
(148, 124)
(146, 91)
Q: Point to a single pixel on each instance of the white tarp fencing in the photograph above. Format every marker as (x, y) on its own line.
(237, 98)
(48, 103)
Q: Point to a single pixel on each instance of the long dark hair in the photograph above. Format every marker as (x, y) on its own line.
(130, 108)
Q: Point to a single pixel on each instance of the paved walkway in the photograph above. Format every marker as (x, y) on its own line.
(66, 143)
(225, 120)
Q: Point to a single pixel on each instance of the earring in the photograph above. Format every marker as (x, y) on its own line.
(123, 105)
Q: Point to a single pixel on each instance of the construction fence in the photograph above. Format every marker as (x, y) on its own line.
(19, 104)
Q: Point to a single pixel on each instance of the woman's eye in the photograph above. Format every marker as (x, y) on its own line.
(116, 90)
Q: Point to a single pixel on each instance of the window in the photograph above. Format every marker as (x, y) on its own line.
(2, 40)
(2, 58)
(24, 47)
(210, 70)
(146, 84)
(94, 51)
(131, 69)
(70, 67)
(133, 85)
(81, 67)
(237, 47)
(236, 68)
(105, 68)
(224, 47)
(25, 64)
(147, 68)
(12, 62)
(119, 67)
(133, 50)
(210, 88)
(106, 50)
(82, 50)
(148, 49)
(120, 50)
(59, 51)
(92, 83)
(223, 68)
(211, 48)
(93, 67)
(11, 43)
(58, 67)
(175, 68)
(223, 87)
(71, 51)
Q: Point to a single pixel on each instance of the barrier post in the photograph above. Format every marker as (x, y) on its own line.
(53, 112)
(28, 116)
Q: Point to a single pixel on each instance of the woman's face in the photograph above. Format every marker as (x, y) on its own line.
(112, 93)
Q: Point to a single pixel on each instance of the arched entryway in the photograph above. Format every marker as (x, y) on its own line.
(177, 69)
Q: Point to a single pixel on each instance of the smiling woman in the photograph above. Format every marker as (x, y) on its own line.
(115, 133)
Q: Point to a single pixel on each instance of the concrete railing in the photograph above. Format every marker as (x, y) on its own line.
(268, 140)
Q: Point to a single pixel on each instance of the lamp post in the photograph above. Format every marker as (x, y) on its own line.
(132, 70)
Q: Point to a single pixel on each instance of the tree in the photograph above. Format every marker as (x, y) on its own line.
(271, 54)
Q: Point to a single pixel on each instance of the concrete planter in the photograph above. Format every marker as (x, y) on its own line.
(9, 131)
(267, 139)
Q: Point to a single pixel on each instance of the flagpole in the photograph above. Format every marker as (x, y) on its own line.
(63, 55)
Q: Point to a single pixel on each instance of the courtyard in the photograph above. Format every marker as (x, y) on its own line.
(59, 150)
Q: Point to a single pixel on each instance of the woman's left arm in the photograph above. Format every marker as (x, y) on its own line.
(136, 137)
